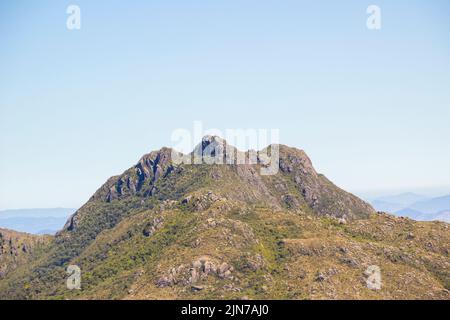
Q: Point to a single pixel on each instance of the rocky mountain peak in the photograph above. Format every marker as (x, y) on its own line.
(295, 185)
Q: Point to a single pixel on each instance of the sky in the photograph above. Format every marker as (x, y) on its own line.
(370, 107)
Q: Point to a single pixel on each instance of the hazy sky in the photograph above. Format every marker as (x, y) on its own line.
(371, 108)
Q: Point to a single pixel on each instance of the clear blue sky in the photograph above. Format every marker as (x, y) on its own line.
(371, 108)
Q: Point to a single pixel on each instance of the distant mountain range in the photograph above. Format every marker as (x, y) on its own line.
(415, 206)
(35, 221)
(432, 206)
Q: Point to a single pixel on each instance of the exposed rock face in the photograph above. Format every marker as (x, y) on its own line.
(320, 194)
(142, 177)
(201, 202)
(199, 270)
(153, 226)
(16, 248)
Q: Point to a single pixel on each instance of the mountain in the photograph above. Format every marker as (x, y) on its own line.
(404, 199)
(410, 213)
(433, 205)
(37, 213)
(383, 206)
(442, 216)
(47, 225)
(415, 206)
(17, 248)
(416, 215)
(35, 221)
(396, 202)
(164, 230)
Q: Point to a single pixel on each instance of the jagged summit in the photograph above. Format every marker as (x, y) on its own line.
(296, 184)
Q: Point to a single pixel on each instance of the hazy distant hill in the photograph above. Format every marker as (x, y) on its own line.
(397, 202)
(403, 199)
(37, 212)
(432, 205)
(415, 206)
(35, 221)
(420, 216)
(386, 206)
(443, 216)
(410, 213)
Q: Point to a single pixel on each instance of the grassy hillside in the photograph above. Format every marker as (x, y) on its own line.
(18, 248)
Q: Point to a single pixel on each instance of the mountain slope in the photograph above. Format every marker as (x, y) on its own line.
(165, 230)
(17, 248)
